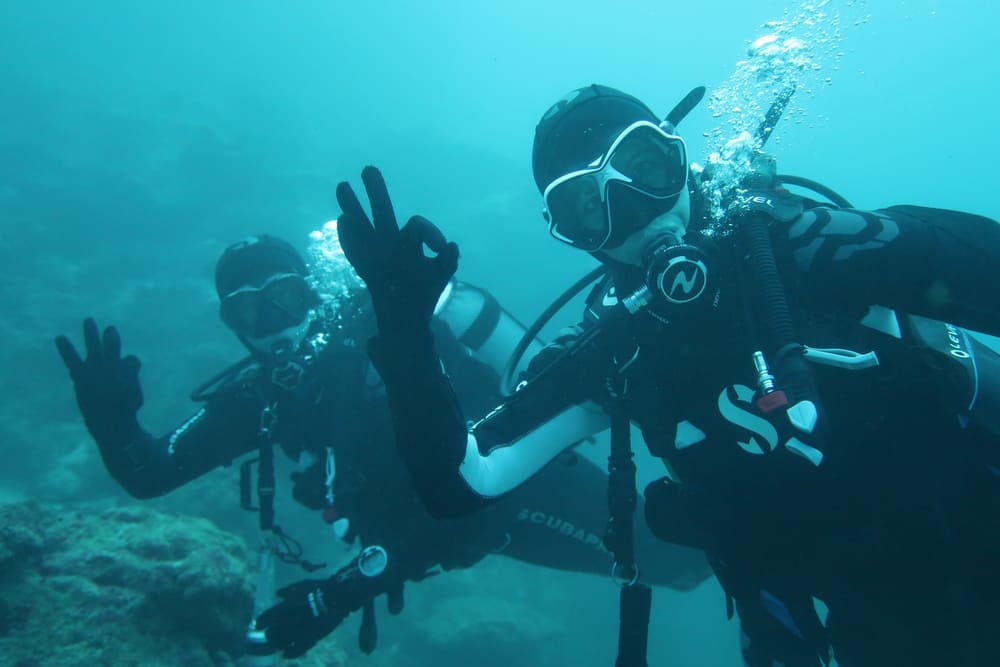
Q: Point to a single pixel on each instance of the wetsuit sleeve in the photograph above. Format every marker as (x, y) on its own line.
(217, 433)
(940, 264)
(457, 471)
(563, 530)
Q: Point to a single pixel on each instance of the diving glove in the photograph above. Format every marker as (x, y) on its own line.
(311, 609)
(405, 284)
(107, 387)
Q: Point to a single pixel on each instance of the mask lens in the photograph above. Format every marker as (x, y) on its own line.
(281, 302)
(654, 163)
(578, 212)
(239, 311)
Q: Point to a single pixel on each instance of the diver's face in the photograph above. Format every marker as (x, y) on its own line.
(281, 301)
(271, 317)
(281, 344)
(674, 222)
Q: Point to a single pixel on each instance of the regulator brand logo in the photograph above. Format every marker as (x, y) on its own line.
(683, 280)
(735, 408)
(610, 298)
(955, 338)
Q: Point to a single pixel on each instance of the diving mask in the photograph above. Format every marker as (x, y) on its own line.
(283, 301)
(597, 207)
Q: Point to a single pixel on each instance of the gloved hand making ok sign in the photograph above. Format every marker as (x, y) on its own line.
(404, 283)
(107, 387)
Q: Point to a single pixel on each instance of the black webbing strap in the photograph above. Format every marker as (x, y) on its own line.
(265, 469)
(621, 491)
(633, 625)
(635, 599)
(368, 633)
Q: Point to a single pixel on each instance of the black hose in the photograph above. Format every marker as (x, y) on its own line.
(507, 378)
(790, 367)
(810, 184)
(777, 316)
(209, 388)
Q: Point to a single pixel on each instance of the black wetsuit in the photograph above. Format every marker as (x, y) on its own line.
(338, 403)
(886, 512)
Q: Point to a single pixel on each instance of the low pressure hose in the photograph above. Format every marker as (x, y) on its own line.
(792, 370)
(764, 269)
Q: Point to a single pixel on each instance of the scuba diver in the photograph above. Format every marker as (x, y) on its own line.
(830, 430)
(308, 387)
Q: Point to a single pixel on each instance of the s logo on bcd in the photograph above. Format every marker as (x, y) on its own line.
(764, 436)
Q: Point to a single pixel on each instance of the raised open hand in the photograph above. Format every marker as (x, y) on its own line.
(107, 384)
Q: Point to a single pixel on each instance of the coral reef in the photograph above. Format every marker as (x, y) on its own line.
(127, 586)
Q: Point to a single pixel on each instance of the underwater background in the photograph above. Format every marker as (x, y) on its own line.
(139, 138)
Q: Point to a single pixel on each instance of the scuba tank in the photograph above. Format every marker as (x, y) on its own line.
(479, 323)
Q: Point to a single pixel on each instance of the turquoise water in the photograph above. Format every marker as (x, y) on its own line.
(137, 139)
